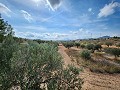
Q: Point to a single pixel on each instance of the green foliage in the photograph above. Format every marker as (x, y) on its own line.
(85, 54)
(33, 64)
(108, 43)
(77, 44)
(6, 52)
(70, 79)
(68, 44)
(82, 46)
(113, 51)
(97, 47)
(90, 46)
(5, 28)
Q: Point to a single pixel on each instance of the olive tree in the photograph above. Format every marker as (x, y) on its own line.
(108, 43)
(90, 46)
(6, 52)
(113, 51)
(68, 44)
(97, 47)
(85, 54)
(77, 44)
(38, 66)
(82, 46)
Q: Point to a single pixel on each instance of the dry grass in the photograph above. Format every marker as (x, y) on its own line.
(95, 65)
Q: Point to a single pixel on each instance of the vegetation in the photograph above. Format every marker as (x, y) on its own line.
(99, 66)
(97, 47)
(118, 44)
(108, 43)
(90, 46)
(5, 29)
(82, 46)
(85, 54)
(68, 44)
(77, 44)
(33, 66)
(113, 51)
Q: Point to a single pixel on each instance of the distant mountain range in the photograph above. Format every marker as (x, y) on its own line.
(104, 37)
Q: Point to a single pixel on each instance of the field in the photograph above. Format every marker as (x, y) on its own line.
(101, 72)
(35, 64)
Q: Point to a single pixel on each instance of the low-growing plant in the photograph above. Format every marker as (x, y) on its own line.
(77, 44)
(118, 44)
(82, 46)
(97, 47)
(108, 43)
(68, 44)
(113, 51)
(90, 46)
(85, 54)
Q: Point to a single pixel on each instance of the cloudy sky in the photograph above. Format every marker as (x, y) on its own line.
(62, 19)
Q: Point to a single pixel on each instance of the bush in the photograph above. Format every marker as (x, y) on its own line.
(113, 51)
(77, 44)
(68, 44)
(33, 65)
(82, 46)
(85, 54)
(97, 47)
(109, 44)
(71, 77)
(118, 45)
(90, 46)
(36, 63)
(7, 48)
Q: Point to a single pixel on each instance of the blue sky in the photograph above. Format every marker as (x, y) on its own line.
(62, 19)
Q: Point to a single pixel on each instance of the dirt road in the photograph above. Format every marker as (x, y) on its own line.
(66, 58)
(93, 81)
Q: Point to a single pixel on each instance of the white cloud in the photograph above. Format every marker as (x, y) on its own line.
(90, 9)
(34, 4)
(44, 36)
(54, 4)
(4, 9)
(108, 9)
(26, 15)
(81, 31)
(71, 35)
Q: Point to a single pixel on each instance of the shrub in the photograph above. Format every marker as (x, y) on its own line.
(118, 44)
(6, 52)
(71, 77)
(113, 51)
(85, 54)
(90, 46)
(77, 44)
(34, 65)
(68, 44)
(97, 47)
(82, 46)
(109, 44)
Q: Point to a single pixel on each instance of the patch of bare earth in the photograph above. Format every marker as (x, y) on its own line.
(67, 60)
(93, 81)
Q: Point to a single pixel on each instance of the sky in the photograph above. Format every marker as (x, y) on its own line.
(62, 19)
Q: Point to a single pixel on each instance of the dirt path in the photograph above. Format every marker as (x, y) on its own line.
(66, 58)
(93, 81)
